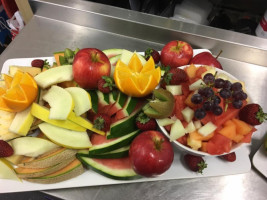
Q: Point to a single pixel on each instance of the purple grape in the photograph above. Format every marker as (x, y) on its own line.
(208, 92)
(207, 105)
(196, 99)
(227, 84)
(219, 83)
(216, 100)
(217, 110)
(236, 86)
(239, 95)
(209, 78)
(200, 113)
(238, 104)
(225, 93)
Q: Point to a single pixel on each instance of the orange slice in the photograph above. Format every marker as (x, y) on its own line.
(8, 80)
(135, 79)
(20, 94)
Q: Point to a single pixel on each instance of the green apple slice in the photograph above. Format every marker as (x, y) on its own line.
(66, 138)
(43, 113)
(81, 98)
(22, 122)
(54, 75)
(31, 146)
(60, 101)
(6, 171)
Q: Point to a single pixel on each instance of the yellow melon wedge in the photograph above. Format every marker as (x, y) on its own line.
(6, 171)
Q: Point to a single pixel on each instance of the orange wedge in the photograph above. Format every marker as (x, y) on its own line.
(135, 79)
(8, 80)
(20, 93)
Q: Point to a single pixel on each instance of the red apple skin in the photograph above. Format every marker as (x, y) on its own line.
(206, 58)
(89, 65)
(176, 53)
(151, 153)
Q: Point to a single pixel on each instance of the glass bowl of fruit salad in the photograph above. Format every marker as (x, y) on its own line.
(205, 120)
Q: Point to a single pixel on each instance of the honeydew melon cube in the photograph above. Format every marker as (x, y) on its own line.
(197, 124)
(207, 129)
(190, 127)
(188, 114)
(196, 85)
(6, 171)
(165, 121)
(177, 130)
(175, 89)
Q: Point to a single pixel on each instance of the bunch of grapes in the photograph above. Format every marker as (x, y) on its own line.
(210, 100)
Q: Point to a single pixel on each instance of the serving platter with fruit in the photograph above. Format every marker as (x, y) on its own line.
(108, 127)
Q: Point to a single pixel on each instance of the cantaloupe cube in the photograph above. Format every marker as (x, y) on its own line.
(238, 138)
(191, 71)
(228, 131)
(194, 144)
(204, 147)
(196, 136)
(229, 123)
(242, 127)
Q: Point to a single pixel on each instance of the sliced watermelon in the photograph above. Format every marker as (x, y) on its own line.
(120, 102)
(127, 109)
(119, 168)
(94, 100)
(103, 102)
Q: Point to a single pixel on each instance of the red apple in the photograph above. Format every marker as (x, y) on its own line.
(151, 153)
(176, 53)
(89, 65)
(206, 58)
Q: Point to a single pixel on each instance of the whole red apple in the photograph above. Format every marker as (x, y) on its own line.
(89, 65)
(206, 58)
(151, 153)
(176, 53)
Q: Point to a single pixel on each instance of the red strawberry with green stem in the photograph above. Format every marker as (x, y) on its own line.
(252, 114)
(145, 123)
(175, 76)
(102, 122)
(105, 84)
(231, 157)
(5, 149)
(195, 163)
(152, 52)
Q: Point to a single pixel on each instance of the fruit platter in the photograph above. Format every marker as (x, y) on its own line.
(90, 117)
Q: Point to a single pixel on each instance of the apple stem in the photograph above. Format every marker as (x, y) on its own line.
(219, 54)
(94, 57)
(158, 143)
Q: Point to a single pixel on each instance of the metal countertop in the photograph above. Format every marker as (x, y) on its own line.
(61, 24)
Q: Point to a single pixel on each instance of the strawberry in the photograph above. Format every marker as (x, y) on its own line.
(5, 149)
(175, 76)
(195, 163)
(152, 52)
(145, 123)
(102, 122)
(231, 157)
(37, 63)
(105, 84)
(252, 114)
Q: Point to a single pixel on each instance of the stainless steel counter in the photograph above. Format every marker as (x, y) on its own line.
(61, 24)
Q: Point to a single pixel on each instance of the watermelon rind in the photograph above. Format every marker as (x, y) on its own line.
(118, 174)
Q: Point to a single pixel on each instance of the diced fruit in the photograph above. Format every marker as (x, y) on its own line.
(179, 106)
(196, 85)
(196, 136)
(190, 127)
(191, 71)
(22, 122)
(219, 144)
(82, 100)
(31, 146)
(174, 89)
(66, 138)
(188, 114)
(194, 144)
(207, 129)
(188, 101)
(242, 127)
(54, 75)
(177, 130)
(198, 124)
(6, 171)
(42, 113)
(6, 119)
